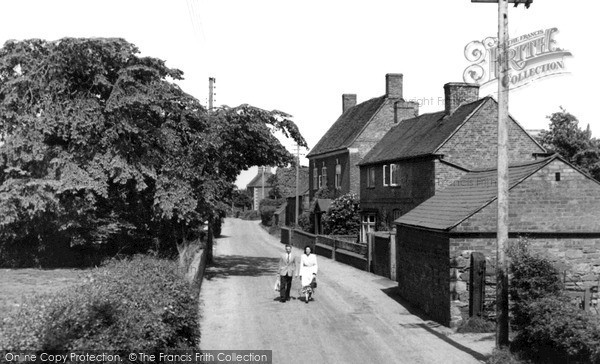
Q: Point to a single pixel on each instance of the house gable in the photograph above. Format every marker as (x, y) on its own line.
(474, 143)
(541, 204)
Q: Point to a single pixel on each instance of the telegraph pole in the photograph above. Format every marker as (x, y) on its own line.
(211, 93)
(297, 207)
(502, 229)
(210, 237)
(503, 182)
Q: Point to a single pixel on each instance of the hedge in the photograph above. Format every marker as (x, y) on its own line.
(140, 304)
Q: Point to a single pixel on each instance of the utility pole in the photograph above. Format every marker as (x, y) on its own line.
(297, 207)
(211, 93)
(210, 233)
(503, 183)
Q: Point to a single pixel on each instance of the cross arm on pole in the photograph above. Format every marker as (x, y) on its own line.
(527, 3)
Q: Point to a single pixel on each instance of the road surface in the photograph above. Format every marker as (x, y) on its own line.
(356, 317)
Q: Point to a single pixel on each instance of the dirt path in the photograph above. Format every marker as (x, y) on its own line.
(355, 318)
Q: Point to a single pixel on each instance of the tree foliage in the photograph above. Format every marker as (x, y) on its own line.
(576, 145)
(342, 217)
(102, 149)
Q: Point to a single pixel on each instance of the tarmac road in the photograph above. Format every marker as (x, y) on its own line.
(356, 317)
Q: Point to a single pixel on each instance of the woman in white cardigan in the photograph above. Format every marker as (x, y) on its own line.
(308, 272)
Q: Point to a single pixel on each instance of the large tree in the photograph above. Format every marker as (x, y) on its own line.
(566, 138)
(102, 149)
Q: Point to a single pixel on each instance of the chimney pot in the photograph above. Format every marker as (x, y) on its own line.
(348, 101)
(393, 85)
(457, 93)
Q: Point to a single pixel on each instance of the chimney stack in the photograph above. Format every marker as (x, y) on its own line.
(405, 110)
(348, 101)
(457, 93)
(393, 85)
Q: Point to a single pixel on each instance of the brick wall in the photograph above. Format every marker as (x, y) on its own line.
(330, 163)
(422, 270)
(417, 185)
(475, 144)
(445, 174)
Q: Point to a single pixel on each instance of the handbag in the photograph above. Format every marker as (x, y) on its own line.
(277, 284)
(313, 284)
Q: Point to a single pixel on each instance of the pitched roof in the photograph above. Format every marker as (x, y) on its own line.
(321, 205)
(257, 180)
(421, 135)
(286, 180)
(466, 196)
(347, 127)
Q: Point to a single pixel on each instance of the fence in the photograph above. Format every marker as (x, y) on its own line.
(342, 249)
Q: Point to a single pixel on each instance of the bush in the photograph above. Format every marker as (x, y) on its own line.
(306, 222)
(559, 332)
(503, 356)
(550, 328)
(476, 325)
(250, 215)
(142, 304)
(266, 215)
(533, 277)
(343, 217)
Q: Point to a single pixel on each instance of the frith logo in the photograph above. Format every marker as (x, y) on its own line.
(531, 56)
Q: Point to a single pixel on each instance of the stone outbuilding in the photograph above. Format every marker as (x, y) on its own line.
(553, 205)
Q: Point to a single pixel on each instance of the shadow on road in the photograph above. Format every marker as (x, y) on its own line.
(429, 326)
(238, 265)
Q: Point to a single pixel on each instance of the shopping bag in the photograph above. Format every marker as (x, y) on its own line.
(277, 283)
(313, 284)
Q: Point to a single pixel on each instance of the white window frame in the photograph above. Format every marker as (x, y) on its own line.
(394, 170)
(324, 174)
(368, 224)
(338, 174)
(320, 181)
(315, 178)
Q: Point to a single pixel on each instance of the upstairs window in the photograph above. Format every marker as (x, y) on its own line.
(315, 178)
(338, 174)
(386, 176)
(394, 175)
(324, 175)
(371, 177)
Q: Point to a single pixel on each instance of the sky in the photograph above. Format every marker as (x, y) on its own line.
(300, 57)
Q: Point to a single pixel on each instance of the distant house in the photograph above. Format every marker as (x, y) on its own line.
(422, 155)
(552, 204)
(259, 186)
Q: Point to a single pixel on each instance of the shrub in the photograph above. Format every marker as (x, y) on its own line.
(503, 356)
(306, 222)
(266, 215)
(250, 215)
(139, 304)
(476, 324)
(343, 217)
(559, 332)
(550, 328)
(533, 277)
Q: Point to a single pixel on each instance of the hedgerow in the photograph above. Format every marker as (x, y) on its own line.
(141, 304)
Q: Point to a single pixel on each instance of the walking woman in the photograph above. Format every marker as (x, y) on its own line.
(308, 272)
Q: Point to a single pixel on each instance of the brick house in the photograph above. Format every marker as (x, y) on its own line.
(259, 186)
(420, 156)
(553, 204)
(333, 160)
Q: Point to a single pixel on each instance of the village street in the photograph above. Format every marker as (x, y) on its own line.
(355, 317)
